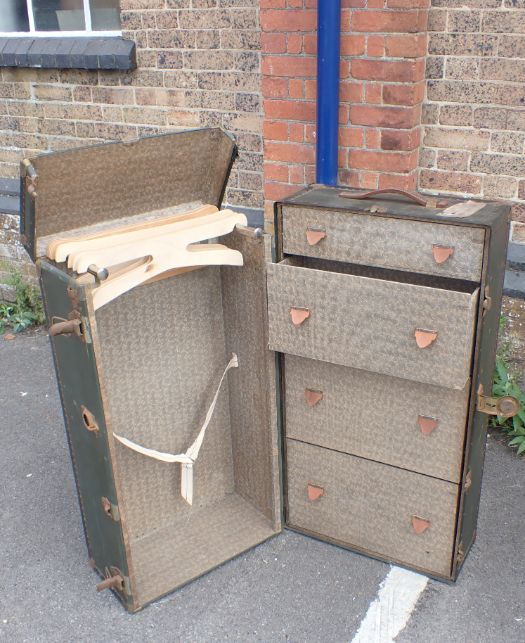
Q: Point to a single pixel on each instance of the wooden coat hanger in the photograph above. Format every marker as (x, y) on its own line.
(59, 249)
(165, 253)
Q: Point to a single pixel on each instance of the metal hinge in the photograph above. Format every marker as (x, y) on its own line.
(505, 407)
(468, 480)
(30, 178)
(487, 301)
(110, 509)
(460, 557)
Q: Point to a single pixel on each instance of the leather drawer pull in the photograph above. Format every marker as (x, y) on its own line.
(312, 397)
(427, 424)
(420, 525)
(314, 236)
(425, 337)
(299, 315)
(314, 492)
(442, 253)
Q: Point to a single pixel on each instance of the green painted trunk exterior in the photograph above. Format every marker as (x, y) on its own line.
(77, 377)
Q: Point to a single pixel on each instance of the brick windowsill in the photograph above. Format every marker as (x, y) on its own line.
(68, 53)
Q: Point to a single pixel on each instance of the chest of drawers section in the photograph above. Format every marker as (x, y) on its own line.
(378, 321)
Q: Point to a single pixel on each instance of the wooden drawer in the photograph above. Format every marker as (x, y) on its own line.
(402, 516)
(411, 425)
(386, 242)
(374, 324)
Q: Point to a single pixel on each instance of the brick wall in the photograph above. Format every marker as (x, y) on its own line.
(198, 64)
(474, 114)
(382, 88)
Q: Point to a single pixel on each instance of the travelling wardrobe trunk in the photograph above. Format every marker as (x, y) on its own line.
(365, 357)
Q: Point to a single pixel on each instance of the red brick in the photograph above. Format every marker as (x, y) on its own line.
(344, 69)
(393, 71)
(373, 93)
(275, 131)
(296, 88)
(293, 110)
(400, 140)
(408, 4)
(368, 180)
(276, 172)
(398, 181)
(375, 46)
(290, 152)
(296, 132)
(288, 21)
(297, 174)
(309, 174)
(310, 89)
(388, 117)
(310, 133)
(351, 137)
(351, 92)
(290, 66)
(406, 46)
(352, 45)
(272, 43)
(278, 191)
(383, 161)
(403, 94)
(294, 44)
(373, 139)
(274, 87)
(405, 21)
(310, 44)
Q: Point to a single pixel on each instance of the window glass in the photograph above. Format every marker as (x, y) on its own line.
(13, 16)
(105, 15)
(59, 15)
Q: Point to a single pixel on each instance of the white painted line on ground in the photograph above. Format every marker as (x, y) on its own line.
(390, 611)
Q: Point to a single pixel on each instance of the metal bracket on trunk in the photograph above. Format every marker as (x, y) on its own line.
(110, 509)
(115, 580)
(505, 407)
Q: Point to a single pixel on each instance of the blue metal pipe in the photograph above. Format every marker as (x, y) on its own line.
(328, 60)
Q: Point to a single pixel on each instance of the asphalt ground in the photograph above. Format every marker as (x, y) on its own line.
(291, 588)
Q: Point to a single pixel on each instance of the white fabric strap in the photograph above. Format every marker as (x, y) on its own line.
(187, 460)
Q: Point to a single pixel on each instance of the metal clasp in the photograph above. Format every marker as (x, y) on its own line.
(115, 580)
(506, 406)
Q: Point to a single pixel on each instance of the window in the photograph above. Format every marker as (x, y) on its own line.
(59, 17)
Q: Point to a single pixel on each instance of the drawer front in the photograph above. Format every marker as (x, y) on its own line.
(414, 426)
(372, 324)
(398, 515)
(414, 246)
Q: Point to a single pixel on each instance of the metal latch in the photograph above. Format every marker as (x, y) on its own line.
(115, 580)
(61, 326)
(505, 407)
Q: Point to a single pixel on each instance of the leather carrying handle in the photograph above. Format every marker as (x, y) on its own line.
(368, 195)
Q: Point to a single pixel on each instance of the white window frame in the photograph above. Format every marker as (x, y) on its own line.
(87, 32)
